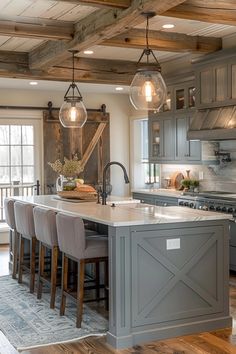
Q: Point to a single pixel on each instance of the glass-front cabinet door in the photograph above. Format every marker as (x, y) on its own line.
(191, 97)
(161, 140)
(184, 97)
(180, 99)
(155, 139)
(167, 106)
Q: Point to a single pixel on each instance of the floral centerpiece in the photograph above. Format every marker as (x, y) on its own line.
(68, 172)
(70, 168)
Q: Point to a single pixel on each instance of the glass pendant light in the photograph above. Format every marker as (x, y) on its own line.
(148, 89)
(73, 113)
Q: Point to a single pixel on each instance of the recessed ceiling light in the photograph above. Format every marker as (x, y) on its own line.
(88, 52)
(168, 25)
(33, 83)
(119, 88)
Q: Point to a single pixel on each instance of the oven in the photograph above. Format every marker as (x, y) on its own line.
(216, 202)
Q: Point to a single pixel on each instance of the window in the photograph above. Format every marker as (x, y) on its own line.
(144, 173)
(17, 154)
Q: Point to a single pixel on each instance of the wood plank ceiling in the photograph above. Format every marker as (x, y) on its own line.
(35, 35)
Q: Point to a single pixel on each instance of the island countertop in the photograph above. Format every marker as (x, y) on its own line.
(124, 214)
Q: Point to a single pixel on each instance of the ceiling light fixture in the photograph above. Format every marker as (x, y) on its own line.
(73, 113)
(119, 88)
(88, 52)
(33, 83)
(168, 25)
(148, 89)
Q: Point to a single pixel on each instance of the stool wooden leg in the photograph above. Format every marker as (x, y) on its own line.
(64, 282)
(106, 281)
(97, 265)
(15, 252)
(54, 259)
(32, 263)
(21, 258)
(41, 269)
(80, 293)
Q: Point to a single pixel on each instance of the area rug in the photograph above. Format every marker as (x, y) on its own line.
(28, 322)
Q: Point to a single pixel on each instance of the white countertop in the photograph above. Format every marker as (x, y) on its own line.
(126, 214)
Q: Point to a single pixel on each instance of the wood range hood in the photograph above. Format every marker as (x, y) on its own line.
(213, 124)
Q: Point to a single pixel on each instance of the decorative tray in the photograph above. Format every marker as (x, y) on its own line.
(78, 195)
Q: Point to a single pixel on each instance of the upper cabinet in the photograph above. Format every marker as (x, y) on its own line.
(185, 150)
(215, 77)
(168, 128)
(161, 138)
(179, 97)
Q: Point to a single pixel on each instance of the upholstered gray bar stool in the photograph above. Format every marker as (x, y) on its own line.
(75, 246)
(14, 236)
(46, 234)
(25, 227)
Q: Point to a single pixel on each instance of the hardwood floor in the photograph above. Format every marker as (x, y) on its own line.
(218, 342)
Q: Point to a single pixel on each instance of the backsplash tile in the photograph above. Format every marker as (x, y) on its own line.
(215, 177)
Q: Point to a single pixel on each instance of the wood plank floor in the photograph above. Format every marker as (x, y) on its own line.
(218, 342)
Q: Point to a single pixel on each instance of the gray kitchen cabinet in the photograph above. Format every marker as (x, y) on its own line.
(168, 139)
(212, 83)
(180, 96)
(161, 138)
(184, 96)
(165, 201)
(154, 199)
(144, 198)
(185, 150)
(215, 79)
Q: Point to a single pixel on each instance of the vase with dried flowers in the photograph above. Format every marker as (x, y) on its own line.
(68, 171)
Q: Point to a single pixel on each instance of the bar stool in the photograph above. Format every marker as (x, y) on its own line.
(46, 234)
(75, 246)
(25, 227)
(14, 236)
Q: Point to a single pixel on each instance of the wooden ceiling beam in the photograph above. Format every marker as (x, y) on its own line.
(15, 65)
(96, 27)
(213, 11)
(119, 4)
(39, 31)
(165, 41)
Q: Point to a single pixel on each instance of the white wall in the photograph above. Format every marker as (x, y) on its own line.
(118, 106)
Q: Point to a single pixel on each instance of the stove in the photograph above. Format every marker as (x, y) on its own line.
(219, 201)
(216, 201)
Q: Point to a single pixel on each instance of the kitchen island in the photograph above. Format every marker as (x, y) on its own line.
(168, 268)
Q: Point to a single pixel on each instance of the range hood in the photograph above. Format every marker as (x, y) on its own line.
(213, 124)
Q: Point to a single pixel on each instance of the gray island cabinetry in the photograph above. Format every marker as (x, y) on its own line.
(168, 268)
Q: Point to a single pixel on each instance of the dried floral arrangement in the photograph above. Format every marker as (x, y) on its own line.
(70, 168)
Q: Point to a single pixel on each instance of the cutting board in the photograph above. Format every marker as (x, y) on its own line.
(176, 180)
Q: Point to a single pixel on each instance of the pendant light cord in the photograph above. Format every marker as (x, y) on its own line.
(73, 68)
(73, 74)
(147, 43)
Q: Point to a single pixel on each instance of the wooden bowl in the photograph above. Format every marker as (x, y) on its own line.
(90, 196)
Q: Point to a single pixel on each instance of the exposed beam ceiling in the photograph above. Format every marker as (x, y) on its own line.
(214, 11)
(15, 65)
(37, 30)
(92, 30)
(119, 4)
(167, 41)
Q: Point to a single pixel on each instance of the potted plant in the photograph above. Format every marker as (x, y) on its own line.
(194, 184)
(186, 184)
